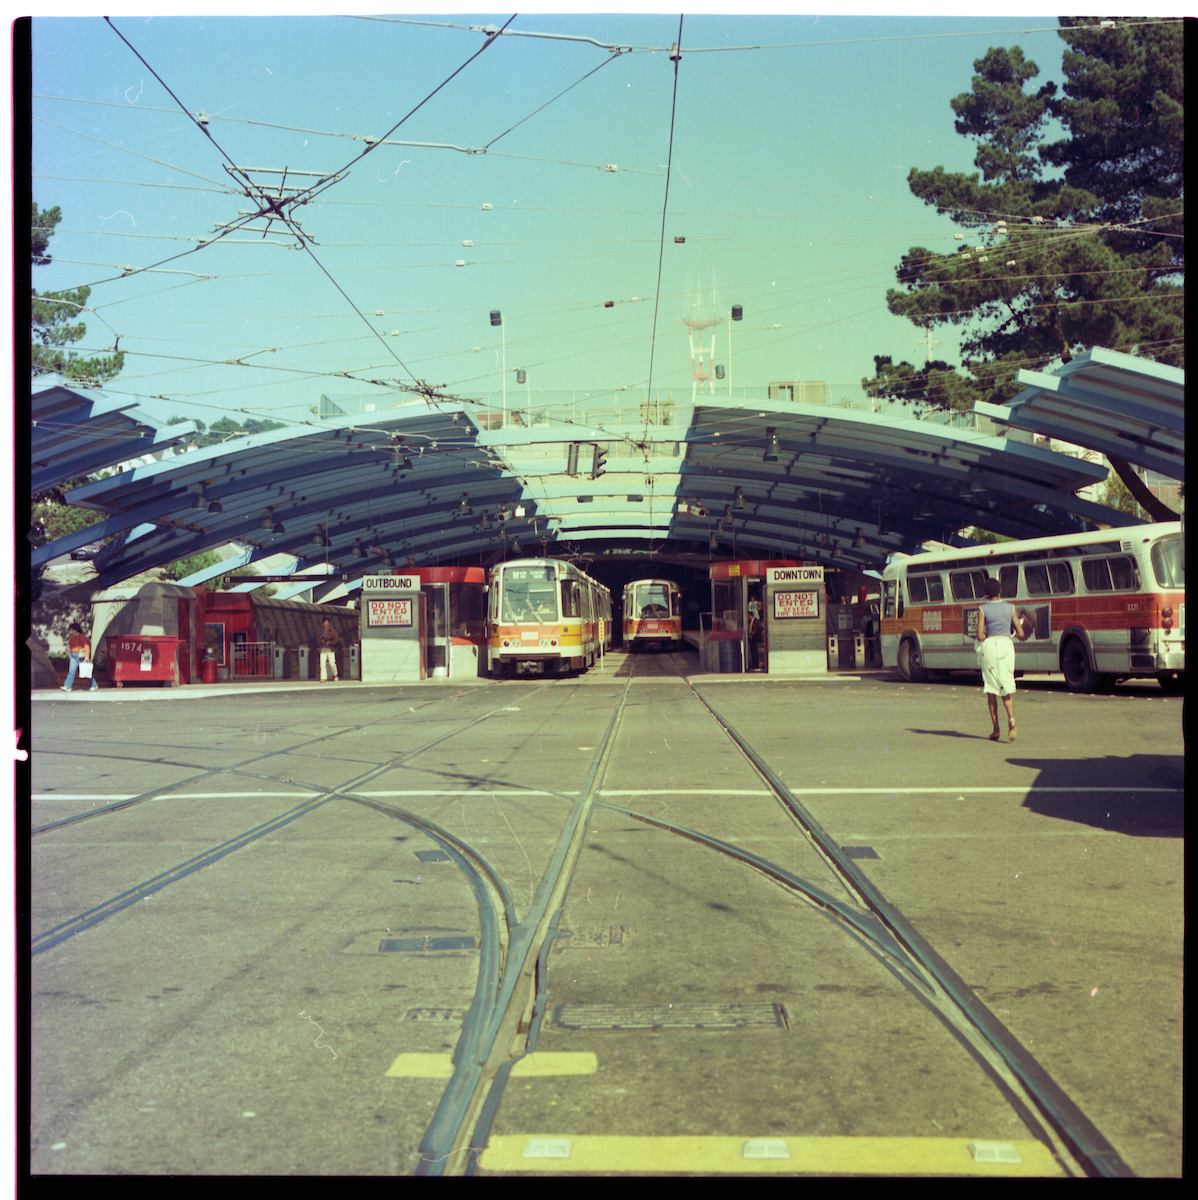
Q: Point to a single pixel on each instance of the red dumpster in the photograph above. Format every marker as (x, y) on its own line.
(142, 658)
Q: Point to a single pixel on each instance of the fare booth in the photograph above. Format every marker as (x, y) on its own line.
(735, 586)
(794, 606)
(426, 623)
(456, 611)
(392, 628)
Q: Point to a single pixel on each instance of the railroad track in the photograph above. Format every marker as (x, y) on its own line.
(512, 998)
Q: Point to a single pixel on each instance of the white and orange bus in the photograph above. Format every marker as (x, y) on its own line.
(1105, 606)
(652, 615)
(547, 613)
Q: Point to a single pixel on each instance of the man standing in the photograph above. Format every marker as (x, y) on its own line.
(329, 641)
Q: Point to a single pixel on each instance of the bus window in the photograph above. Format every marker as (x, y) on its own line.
(1048, 579)
(925, 589)
(1096, 574)
(968, 585)
(1060, 575)
(1035, 579)
(1124, 575)
(1167, 563)
(1008, 577)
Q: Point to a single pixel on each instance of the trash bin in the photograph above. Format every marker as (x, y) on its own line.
(282, 664)
(730, 658)
(142, 658)
(304, 672)
(208, 668)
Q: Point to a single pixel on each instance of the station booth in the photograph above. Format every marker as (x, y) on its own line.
(429, 622)
(787, 598)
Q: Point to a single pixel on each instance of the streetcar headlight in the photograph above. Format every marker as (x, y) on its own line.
(1167, 616)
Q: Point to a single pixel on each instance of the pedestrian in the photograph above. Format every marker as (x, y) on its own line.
(997, 621)
(756, 635)
(329, 641)
(80, 652)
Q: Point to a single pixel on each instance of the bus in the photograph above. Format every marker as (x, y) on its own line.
(1103, 606)
(652, 615)
(546, 613)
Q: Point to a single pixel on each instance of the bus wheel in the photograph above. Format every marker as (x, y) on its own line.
(1174, 682)
(910, 662)
(1075, 663)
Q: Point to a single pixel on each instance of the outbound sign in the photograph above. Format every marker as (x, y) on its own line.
(800, 575)
(391, 583)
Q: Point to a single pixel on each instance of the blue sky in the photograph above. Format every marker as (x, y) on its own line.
(787, 180)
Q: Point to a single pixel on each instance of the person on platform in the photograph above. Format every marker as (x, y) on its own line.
(80, 652)
(329, 641)
(997, 622)
(756, 633)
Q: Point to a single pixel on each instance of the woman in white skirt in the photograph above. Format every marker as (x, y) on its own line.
(996, 624)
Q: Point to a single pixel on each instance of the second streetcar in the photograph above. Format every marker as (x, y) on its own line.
(652, 615)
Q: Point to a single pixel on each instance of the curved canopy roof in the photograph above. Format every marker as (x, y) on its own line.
(75, 433)
(1123, 406)
(440, 481)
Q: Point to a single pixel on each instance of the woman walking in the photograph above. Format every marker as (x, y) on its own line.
(80, 652)
(996, 623)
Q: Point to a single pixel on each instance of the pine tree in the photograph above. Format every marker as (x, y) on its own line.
(54, 318)
(1092, 256)
(1091, 253)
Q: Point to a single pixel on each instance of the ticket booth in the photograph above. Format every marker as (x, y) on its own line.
(794, 605)
(393, 629)
(738, 595)
(456, 613)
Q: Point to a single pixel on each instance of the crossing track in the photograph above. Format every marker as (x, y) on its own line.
(504, 1022)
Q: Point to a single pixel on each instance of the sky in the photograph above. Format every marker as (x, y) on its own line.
(779, 150)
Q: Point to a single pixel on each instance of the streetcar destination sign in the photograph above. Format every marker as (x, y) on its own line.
(794, 575)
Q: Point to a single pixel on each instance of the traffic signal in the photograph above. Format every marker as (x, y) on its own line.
(600, 460)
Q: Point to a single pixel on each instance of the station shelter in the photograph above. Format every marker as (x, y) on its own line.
(766, 615)
(143, 634)
(429, 622)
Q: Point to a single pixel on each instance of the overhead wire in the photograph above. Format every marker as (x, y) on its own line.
(658, 290)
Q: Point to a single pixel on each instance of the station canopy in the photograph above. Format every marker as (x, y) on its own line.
(1124, 407)
(437, 481)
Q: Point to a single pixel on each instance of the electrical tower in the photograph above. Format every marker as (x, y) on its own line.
(699, 320)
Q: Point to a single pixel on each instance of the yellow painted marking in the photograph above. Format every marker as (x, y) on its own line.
(422, 1066)
(551, 1063)
(440, 1066)
(726, 1155)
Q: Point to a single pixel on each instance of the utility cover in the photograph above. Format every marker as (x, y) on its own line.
(684, 1015)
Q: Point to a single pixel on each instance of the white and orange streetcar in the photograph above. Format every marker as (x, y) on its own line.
(546, 613)
(652, 615)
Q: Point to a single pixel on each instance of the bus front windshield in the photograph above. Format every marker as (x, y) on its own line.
(529, 594)
(1168, 565)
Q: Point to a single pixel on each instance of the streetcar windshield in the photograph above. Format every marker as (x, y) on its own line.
(529, 594)
(652, 600)
(1167, 562)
